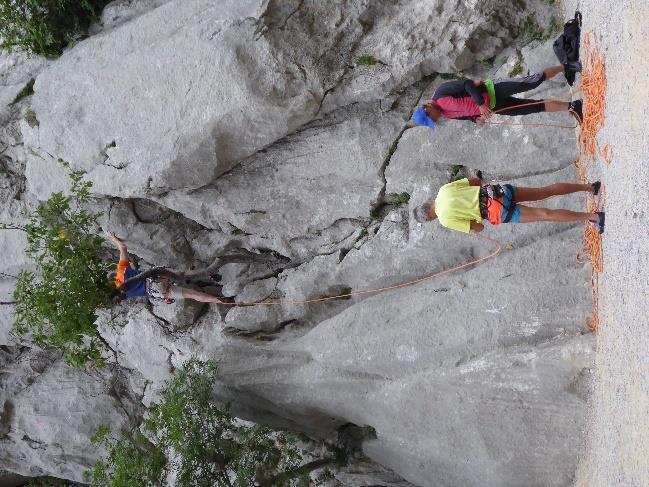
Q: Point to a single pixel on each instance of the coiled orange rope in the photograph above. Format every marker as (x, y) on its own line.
(594, 88)
(593, 85)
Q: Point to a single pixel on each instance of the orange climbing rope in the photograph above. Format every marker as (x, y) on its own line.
(593, 85)
(594, 88)
(399, 285)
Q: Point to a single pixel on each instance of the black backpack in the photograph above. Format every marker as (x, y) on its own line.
(566, 47)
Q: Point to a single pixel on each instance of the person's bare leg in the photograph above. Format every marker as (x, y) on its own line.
(552, 71)
(199, 296)
(529, 215)
(558, 189)
(556, 106)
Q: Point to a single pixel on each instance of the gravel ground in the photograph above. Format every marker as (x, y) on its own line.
(617, 449)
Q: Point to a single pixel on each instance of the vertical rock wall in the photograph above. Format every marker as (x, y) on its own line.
(248, 135)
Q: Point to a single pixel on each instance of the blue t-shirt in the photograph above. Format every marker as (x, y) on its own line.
(135, 290)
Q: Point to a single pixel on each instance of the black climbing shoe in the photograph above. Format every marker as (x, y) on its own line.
(599, 224)
(574, 66)
(576, 107)
(596, 185)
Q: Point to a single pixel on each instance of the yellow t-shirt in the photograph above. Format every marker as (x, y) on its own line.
(457, 204)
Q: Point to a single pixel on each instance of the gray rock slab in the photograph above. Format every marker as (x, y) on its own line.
(500, 152)
(242, 118)
(50, 410)
(16, 70)
(302, 195)
(111, 87)
(149, 343)
(412, 39)
(403, 362)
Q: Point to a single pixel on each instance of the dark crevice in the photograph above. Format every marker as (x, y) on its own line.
(34, 444)
(260, 335)
(288, 17)
(166, 324)
(108, 347)
(377, 210)
(205, 308)
(28, 90)
(170, 354)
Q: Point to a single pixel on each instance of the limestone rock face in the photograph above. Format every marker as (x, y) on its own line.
(182, 91)
(250, 135)
(192, 67)
(17, 73)
(50, 411)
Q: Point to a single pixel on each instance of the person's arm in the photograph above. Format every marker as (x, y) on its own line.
(474, 92)
(476, 227)
(476, 96)
(475, 182)
(123, 251)
(454, 89)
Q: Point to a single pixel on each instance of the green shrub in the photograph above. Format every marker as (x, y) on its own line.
(366, 60)
(532, 31)
(398, 199)
(132, 460)
(205, 445)
(57, 303)
(46, 26)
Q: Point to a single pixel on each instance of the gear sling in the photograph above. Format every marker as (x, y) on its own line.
(492, 203)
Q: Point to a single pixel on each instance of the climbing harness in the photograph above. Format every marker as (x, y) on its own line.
(492, 195)
(160, 279)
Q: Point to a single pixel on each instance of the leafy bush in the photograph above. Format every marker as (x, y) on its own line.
(203, 443)
(132, 460)
(398, 199)
(46, 26)
(532, 31)
(57, 303)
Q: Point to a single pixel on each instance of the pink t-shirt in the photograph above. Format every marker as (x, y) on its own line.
(460, 107)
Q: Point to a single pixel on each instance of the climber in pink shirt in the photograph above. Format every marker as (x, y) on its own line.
(477, 100)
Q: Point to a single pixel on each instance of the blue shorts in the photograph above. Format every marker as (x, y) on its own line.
(507, 199)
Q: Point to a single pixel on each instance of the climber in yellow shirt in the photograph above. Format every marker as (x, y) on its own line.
(462, 205)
